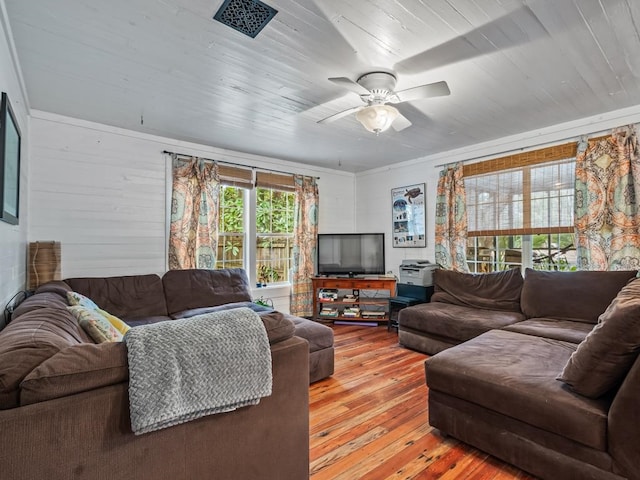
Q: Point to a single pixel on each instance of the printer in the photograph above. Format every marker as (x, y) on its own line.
(417, 272)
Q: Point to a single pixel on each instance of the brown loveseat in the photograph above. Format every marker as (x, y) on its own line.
(64, 406)
(512, 387)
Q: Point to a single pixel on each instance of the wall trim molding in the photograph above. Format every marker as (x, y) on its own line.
(190, 148)
(544, 137)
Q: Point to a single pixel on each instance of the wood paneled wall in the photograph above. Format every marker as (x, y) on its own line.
(103, 192)
(13, 247)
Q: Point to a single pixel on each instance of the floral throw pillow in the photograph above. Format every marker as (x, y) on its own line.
(75, 298)
(115, 321)
(95, 324)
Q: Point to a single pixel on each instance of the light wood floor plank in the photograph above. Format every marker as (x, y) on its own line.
(369, 421)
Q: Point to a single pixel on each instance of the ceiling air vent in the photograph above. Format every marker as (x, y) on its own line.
(246, 16)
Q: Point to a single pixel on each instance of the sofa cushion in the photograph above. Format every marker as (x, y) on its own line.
(604, 358)
(579, 296)
(565, 330)
(319, 336)
(454, 321)
(514, 374)
(41, 300)
(55, 286)
(624, 424)
(491, 291)
(227, 306)
(74, 370)
(137, 321)
(189, 289)
(129, 296)
(28, 341)
(278, 327)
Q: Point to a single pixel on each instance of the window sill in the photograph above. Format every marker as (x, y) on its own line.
(272, 290)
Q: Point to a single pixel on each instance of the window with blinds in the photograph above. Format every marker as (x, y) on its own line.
(231, 227)
(520, 211)
(522, 201)
(236, 181)
(261, 207)
(275, 204)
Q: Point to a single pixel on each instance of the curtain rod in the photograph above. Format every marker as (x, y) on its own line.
(498, 154)
(232, 163)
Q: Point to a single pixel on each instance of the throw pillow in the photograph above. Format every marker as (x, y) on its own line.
(606, 355)
(96, 326)
(75, 298)
(115, 321)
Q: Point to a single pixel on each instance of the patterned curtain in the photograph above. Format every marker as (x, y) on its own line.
(451, 220)
(607, 218)
(304, 245)
(193, 235)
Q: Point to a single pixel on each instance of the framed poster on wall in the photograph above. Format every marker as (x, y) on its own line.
(408, 212)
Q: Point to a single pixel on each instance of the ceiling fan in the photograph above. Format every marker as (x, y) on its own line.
(376, 90)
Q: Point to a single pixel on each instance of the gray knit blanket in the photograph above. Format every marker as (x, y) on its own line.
(184, 369)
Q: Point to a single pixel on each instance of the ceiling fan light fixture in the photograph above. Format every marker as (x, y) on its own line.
(377, 118)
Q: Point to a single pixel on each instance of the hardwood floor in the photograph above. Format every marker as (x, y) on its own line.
(369, 420)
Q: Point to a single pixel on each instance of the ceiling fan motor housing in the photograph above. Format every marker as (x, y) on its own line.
(379, 84)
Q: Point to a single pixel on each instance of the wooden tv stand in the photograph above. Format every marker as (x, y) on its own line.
(364, 304)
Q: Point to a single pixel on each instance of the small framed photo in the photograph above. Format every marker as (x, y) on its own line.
(408, 216)
(9, 163)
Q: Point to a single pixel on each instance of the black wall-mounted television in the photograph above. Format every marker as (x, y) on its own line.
(351, 254)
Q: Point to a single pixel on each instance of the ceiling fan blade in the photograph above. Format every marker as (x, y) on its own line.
(339, 115)
(483, 40)
(438, 89)
(400, 123)
(350, 85)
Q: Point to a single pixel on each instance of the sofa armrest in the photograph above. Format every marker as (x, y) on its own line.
(624, 425)
(76, 369)
(88, 435)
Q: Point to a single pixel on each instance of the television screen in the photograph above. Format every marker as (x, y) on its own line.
(351, 254)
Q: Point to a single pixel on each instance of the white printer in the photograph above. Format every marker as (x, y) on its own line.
(417, 272)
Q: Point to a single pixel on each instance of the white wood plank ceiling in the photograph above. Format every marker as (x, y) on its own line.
(512, 66)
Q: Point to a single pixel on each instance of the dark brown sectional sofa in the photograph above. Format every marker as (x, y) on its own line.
(542, 372)
(64, 405)
(142, 299)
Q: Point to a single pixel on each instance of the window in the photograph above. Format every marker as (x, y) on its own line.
(274, 234)
(232, 215)
(274, 207)
(264, 213)
(540, 252)
(520, 211)
(231, 231)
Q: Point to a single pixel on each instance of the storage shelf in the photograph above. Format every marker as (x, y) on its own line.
(361, 302)
(365, 301)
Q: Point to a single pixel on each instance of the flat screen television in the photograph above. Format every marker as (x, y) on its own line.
(351, 254)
